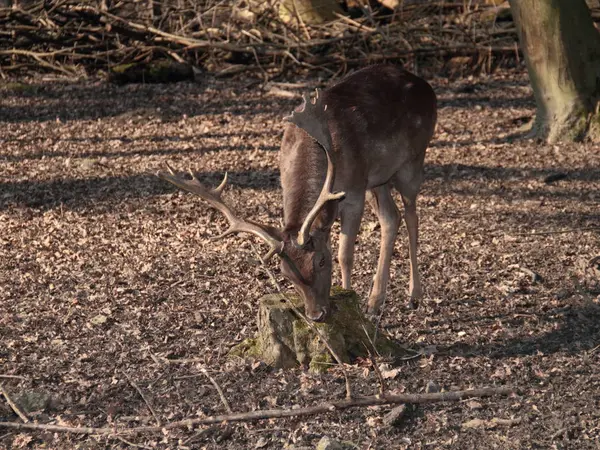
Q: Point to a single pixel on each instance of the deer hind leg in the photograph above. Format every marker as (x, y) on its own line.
(351, 211)
(409, 183)
(389, 218)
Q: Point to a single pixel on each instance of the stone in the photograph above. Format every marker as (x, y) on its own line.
(395, 416)
(285, 340)
(326, 443)
(432, 387)
(34, 401)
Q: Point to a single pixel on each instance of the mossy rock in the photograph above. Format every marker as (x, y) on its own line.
(20, 88)
(152, 72)
(285, 340)
(33, 401)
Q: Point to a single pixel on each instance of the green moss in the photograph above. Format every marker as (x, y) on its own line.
(122, 68)
(321, 362)
(575, 129)
(248, 348)
(20, 88)
(162, 71)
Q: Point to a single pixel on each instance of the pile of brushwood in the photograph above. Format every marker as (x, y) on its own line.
(79, 38)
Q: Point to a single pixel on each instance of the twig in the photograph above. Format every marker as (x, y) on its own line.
(15, 377)
(139, 391)
(91, 35)
(568, 230)
(593, 350)
(13, 405)
(308, 322)
(382, 385)
(559, 433)
(182, 360)
(360, 26)
(300, 21)
(506, 422)
(199, 434)
(219, 390)
(132, 444)
(370, 340)
(38, 58)
(250, 416)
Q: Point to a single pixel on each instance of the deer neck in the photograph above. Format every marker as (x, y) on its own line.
(302, 179)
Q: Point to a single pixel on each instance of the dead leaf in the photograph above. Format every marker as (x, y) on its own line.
(262, 443)
(99, 319)
(391, 374)
(474, 423)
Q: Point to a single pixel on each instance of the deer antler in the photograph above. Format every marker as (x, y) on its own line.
(312, 119)
(213, 197)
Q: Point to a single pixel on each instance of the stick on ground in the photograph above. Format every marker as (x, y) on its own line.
(13, 405)
(250, 416)
(219, 391)
(139, 391)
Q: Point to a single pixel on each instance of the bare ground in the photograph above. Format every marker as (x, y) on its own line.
(106, 272)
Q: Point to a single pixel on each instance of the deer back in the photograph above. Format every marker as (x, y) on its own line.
(380, 118)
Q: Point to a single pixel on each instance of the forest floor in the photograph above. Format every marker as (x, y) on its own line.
(109, 282)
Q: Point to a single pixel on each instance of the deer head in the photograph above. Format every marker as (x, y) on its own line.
(306, 258)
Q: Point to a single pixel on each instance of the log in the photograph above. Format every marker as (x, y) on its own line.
(152, 72)
(285, 340)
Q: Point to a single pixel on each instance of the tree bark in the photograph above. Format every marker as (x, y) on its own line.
(562, 52)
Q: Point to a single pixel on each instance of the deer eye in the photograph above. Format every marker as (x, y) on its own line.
(322, 261)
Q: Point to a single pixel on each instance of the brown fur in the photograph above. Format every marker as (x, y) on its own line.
(381, 119)
(375, 124)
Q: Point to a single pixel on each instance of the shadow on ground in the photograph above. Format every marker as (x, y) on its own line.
(96, 101)
(440, 179)
(102, 100)
(577, 330)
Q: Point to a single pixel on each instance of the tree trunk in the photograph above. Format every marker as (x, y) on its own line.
(285, 340)
(309, 12)
(562, 52)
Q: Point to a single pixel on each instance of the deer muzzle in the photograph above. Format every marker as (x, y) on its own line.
(317, 315)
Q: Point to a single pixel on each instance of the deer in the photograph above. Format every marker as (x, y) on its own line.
(353, 143)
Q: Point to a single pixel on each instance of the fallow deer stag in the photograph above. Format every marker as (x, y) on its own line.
(374, 127)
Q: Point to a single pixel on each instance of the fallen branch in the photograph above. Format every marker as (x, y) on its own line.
(568, 230)
(139, 391)
(13, 405)
(12, 377)
(506, 422)
(219, 390)
(132, 444)
(66, 36)
(323, 408)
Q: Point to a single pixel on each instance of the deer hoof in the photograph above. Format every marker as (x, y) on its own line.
(374, 307)
(371, 311)
(413, 303)
(415, 295)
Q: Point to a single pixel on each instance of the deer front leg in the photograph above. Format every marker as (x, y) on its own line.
(351, 211)
(389, 218)
(412, 224)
